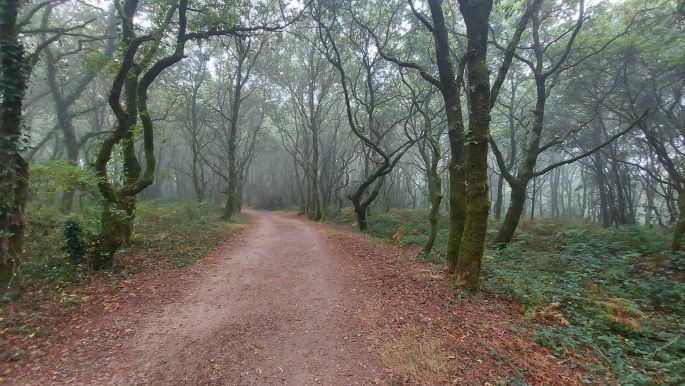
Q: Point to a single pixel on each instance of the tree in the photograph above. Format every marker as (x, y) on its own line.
(195, 116)
(14, 172)
(546, 77)
(308, 78)
(133, 78)
(16, 68)
(245, 51)
(137, 71)
(64, 101)
(430, 151)
(476, 16)
(449, 82)
(372, 130)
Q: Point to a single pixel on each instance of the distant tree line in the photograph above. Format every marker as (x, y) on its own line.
(511, 110)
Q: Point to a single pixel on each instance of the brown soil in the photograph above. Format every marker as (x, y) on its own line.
(292, 302)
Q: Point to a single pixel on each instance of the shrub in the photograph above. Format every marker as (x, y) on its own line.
(73, 241)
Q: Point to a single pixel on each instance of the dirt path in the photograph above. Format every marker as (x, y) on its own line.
(290, 302)
(272, 309)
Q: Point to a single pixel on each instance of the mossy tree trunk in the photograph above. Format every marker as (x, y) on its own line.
(133, 81)
(315, 110)
(499, 197)
(196, 174)
(449, 88)
(434, 214)
(14, 170)
(457, 209)
(314, 206)
(232, 188)
(194, 128)
(476, 15)
(435, 189)
(511, 219)
(449, 84)
(360, 215)
(113, 234)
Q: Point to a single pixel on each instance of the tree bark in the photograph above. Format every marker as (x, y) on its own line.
(679, 229)
(476, 16)
(119, 204)
(499, 197)
(360, 213)
(314, 207)
(435, 189)
(512, 216)
(14, 171)
(232, 189)
(449, 88)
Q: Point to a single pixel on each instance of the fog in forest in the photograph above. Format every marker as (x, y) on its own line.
(464, 129)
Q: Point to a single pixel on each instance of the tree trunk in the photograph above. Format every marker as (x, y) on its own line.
(231, 191)
(315, 200)
(360, 212)
(115, 229)
(198, 181)
(602, 191)
(436, 198)
(511, 219)
(533, 196)
(12, 244)
(679, 229)
(451, 94)
(476, 16)
(14, 170)
(132, 168)
(499, 197)
(314, 207)
(457, 210)
(649, 208)
(554, 192)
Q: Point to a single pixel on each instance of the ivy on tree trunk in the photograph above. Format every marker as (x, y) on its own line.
(13, 169)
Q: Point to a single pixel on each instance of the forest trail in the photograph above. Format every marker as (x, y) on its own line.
(271, 309)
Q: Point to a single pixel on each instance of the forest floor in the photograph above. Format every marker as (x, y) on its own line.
(293, 302)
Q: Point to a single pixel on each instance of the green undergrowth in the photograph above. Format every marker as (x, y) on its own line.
(615, 294)
(406, 227)
(181, 233)
(165, 235)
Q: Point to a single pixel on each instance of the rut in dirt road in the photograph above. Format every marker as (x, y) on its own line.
(272, 310)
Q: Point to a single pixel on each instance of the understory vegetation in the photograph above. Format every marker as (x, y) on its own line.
(611, 292)
(167, 235)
